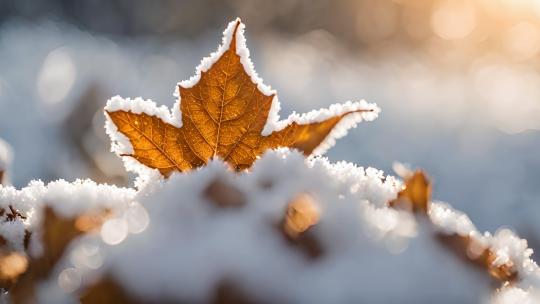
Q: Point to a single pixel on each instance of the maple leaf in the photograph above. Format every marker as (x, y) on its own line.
(224, 111)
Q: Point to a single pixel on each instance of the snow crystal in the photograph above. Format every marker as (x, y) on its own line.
(515, 295)
(510, 249)
(449, 220)
(70, 199)
(348, 122)
(139, 105)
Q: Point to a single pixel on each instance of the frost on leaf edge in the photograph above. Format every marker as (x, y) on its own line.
(121, 144)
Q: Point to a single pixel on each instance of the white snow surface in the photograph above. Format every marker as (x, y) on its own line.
(67, 199)
(172, 243)
(515, 295)
(448, 220)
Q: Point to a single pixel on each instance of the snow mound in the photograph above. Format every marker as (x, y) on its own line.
(66, 199)
(174, 241)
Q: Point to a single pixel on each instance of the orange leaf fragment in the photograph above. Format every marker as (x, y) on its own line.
(57, 232)
(12, 264)
(460, 246)
(226, 113)
(415, 194)
(302, 213)
(301, 216)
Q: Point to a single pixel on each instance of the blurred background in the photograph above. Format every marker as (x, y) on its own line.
(458, 82)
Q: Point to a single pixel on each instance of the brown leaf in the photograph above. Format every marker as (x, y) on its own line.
(223, 115)
(107, 291)
(227, 292)
(224, 194)
(460, 247)
(11, 214)
(415, 194)
(57, 234)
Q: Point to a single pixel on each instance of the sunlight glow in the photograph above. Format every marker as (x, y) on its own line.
(453, 20)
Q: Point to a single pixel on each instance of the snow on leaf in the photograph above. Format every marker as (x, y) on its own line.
(57, 232)
(415, 194)
(227, 113)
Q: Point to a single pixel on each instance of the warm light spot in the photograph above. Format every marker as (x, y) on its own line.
(70, 279)
(453, 20)
(89, 222)
(56, 77)
(87, 256)
(137, 218)
(509, 96)
(522, 41)
(12, 265)
(302, 213)
(114, 231)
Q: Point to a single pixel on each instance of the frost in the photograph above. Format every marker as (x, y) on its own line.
(243, 52)
(514, 295)
(449, 220)
(509, 248)
(139, 105)
(348, 122)
(65, 198)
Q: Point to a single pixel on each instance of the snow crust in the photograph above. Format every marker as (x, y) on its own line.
(448, 220)
(515, 295)
(139, 105)
(340, 130)
(170, 241)
(65, 198)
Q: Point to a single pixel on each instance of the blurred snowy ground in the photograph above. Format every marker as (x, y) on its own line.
(462, 100)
